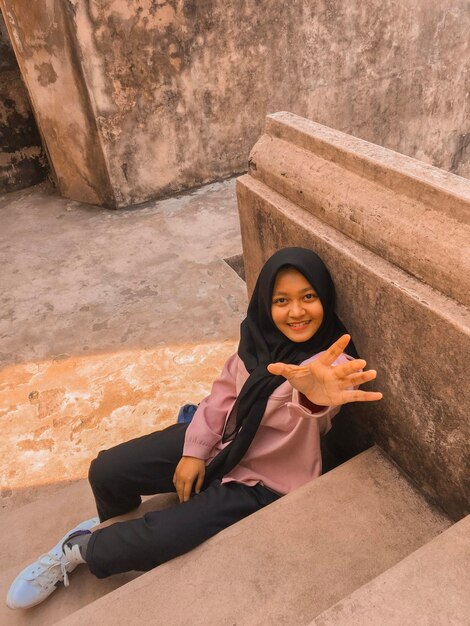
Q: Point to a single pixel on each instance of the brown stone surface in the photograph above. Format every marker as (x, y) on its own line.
(22, 158)
(407, 212)
(79, 279)
(288, 562)
(410, 333)
(47, 56)
(56, 415)
(428, 588)
(109, 322)
(141, 99)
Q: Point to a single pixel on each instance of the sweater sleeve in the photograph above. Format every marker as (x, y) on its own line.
(205, 429)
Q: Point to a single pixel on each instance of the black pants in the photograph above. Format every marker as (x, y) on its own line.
(145, 466)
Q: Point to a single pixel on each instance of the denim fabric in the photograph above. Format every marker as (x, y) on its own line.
(186, 413)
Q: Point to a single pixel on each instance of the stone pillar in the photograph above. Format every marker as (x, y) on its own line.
(51, 66)
(395, 234)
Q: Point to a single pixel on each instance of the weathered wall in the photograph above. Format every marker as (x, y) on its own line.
(22, 158)
(408, 320)
(51, 68)
(163, 95)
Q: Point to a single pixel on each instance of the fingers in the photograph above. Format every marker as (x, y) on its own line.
(179, 484)
(357, 395)
(354, 380)
(360, 378)
(183, 489)
(349, 367)
(179, 487)
(187, 487)
(180, 491)
(188, 471)
(200, 481)
(282, 369)
(333, 352)
(350, 376)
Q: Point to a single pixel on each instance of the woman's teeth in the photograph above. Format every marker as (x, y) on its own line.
(298, 324)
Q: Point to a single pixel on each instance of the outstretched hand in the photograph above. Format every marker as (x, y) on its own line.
(328, 385)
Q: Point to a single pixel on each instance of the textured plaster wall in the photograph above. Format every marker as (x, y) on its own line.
(160, 95)
(50, 65)
(22, 158)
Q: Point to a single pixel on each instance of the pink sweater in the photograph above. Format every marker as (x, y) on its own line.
(285, 452)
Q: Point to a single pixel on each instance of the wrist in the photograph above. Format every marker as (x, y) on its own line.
(308, 404)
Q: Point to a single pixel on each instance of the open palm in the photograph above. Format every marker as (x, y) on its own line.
(328, 385)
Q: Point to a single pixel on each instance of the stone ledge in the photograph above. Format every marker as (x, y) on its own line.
(411, 214)
(404, 174)
(288, 562)
(428, 587)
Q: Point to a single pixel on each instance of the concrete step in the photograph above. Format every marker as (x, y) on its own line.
(27, 531)
(32, 529)
(287, 563)
(430, 587)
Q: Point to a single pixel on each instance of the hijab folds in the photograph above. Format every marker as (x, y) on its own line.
(262, 343)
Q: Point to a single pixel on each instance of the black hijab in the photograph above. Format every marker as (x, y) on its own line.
(262, 343)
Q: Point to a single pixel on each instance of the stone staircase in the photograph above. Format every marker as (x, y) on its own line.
(287, 564)
(428, 587)
(34, 528)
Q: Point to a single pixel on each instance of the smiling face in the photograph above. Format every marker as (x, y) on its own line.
(295, 308)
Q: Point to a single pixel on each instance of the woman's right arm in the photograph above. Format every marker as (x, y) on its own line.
(205, 431)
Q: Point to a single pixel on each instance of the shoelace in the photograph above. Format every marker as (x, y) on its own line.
(52, 566)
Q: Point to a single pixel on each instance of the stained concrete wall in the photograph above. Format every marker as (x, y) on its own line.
(49, 62)
(379, 219)
(22, 158)
(142, 99)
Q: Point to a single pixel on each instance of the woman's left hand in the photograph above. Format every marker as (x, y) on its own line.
(328, 385)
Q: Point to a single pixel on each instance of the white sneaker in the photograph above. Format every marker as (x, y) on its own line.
(37, 581)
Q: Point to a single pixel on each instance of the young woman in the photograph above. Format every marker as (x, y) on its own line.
(255, 438)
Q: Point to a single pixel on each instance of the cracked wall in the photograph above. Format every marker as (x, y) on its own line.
(22, 158)
(161, 95)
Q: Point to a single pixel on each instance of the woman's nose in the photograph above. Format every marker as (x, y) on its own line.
(297, 309)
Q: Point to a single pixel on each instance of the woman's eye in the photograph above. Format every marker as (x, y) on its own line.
(279, 301)
(311, 296)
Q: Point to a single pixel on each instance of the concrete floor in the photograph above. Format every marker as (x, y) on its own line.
(109, 321)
